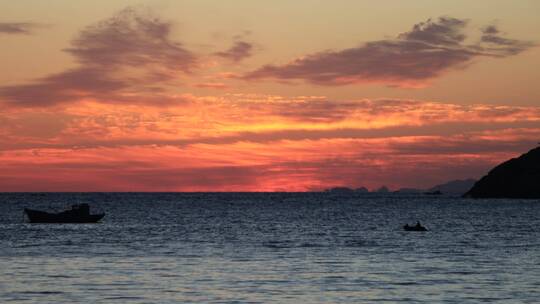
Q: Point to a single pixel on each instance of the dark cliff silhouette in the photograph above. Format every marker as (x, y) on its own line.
(515, 178)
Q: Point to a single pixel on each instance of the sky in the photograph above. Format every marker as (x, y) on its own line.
(263, 96)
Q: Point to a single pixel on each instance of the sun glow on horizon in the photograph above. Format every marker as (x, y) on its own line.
(140, 99)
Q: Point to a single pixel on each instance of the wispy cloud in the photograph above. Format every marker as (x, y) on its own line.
(429, 49)
(129, 53)
(239, 51)
(132, 38)
(19, 28)
(212, 85)
(499, 46)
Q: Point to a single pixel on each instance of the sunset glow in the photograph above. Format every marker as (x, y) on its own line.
(139, 98)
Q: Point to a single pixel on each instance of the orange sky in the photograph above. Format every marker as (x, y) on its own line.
(114, 97)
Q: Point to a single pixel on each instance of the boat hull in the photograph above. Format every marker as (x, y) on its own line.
(36, 216)
(413, 228)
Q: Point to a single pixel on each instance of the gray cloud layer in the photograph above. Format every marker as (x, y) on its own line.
(427, 50)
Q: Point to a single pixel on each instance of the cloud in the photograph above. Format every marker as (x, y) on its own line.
(212, 85)
(309, 109)
(107, 138)
(498, 46)
(68, 86)
(486, 143)
(291, 166)
(257, 143)
(246, 118)
(114, 174)
(119, 57)
(429, 49)
(18, 28)
(239, 51)
(131, 38)
(445, 31)
(368, 113)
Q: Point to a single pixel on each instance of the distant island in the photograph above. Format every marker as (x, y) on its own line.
(515, 178)
(453, 188)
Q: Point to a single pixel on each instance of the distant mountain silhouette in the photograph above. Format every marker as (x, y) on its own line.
(340, 190)
(409, 191)
(382, 189)
(515, 178)
(361, 190)
(344, 190)
(455, 187)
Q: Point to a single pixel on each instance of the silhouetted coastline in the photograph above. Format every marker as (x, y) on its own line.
(515, 178)
(451, 188)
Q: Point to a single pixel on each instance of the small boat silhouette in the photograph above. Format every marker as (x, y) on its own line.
(79, 213)
(416, 227)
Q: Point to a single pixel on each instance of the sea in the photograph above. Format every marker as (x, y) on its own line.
(271, 248)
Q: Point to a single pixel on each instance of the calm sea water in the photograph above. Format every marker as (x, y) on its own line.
(271, 248)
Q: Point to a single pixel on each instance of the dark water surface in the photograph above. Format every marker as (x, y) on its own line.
(271, 248)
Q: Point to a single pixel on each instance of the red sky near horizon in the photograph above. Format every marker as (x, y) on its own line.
(245, 96)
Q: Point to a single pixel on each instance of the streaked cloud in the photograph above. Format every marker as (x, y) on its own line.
(298, 165)
(428, 50)
(19, 28)
(253, 118)
(212, 85)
